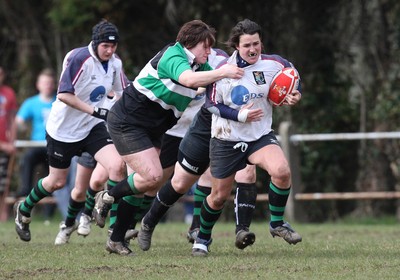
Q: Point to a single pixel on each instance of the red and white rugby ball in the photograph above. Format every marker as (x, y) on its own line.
(283, 83)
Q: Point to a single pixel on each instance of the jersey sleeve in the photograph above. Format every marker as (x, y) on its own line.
(215, 107)
(73, 70)
(171, 67)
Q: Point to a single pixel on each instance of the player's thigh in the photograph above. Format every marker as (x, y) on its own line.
(109, 158)
(272, 159)
(220, 191)
(82, 178)
(99, 178)
(246, 175)
(205, 179)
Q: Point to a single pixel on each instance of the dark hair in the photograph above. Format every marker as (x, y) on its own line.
(245, 26)
(195, 31)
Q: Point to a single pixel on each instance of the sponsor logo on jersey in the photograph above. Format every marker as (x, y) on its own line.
(240, 95)
(97, 94)
(259, 77)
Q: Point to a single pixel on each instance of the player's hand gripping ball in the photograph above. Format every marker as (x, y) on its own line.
(283, 83)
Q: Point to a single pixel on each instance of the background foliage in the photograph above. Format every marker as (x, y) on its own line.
(347, 53)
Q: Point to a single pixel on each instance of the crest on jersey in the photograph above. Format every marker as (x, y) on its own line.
(259, 77)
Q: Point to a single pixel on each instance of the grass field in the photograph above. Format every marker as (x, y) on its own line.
(328, 251)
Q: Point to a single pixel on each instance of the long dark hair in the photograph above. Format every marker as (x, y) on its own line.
(245, 26)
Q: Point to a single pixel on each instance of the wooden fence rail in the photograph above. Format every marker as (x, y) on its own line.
(289, 142)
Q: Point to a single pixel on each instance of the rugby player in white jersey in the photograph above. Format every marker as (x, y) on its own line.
(234, 144)
(76, 123)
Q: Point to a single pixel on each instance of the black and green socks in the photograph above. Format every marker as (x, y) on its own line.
(74, 208)
(119, 190)
(277, 203)
(89, 203)
(113, 211)
(200, 193)
(208, 218)
(245, 204)
(124, 188)
(144, 208)
(36, 194)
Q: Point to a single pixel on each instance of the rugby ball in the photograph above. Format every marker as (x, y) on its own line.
(283, 83)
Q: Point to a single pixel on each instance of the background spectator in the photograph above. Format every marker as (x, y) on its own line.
(8, 107)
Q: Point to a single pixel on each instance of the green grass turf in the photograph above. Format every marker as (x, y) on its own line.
(329, 251)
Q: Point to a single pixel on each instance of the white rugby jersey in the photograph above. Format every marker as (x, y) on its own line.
(253, 87)
(83, 75)
(180, 128)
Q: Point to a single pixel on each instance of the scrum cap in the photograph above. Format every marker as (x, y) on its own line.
(104, 31)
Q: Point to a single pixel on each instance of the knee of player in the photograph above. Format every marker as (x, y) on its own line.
(117, 170)
(220, 195)
(78, 194)
(152, 179)
(181, 188)
(59, 184)
(217, 200)
(98, 185)
(282, 174)
(181, 185)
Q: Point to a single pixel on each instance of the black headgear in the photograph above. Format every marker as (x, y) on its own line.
(104, 31)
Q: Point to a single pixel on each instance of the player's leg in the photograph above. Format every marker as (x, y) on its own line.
(76, 203)
(60, 155)
(112, 162)
(272, 159)
(167, 196)
(210, 213)
(97, 182)
(131, 232)
(245, 203)
(141, 154)
(132, 189)
(23, 208)
(168, 158)
(202, 190)
(224, 163)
